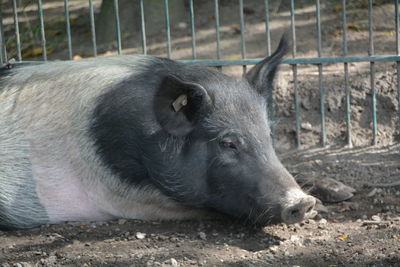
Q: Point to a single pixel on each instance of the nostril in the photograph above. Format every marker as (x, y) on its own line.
(309, 209)
(298, 212)
(310, 204)
(294, 212)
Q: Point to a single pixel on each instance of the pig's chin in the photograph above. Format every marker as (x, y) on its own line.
(272, 220)
(263, 218)
(259, 217)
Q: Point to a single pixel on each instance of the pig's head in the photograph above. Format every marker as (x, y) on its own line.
(226, 160)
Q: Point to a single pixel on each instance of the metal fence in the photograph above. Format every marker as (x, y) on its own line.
(294, 61)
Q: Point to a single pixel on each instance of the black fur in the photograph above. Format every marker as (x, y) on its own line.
(117, 125)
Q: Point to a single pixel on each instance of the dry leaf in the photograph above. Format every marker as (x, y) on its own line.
(343, 237)
(353, 27)
(36, 52)
(76, 57)
(337, 8)
(33, 52)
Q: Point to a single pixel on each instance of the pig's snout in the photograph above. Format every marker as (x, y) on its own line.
(298, 208)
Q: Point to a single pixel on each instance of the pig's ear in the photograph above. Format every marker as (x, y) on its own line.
(261, 76)
(179, 105)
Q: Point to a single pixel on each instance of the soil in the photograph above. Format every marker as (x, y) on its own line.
(363, 231)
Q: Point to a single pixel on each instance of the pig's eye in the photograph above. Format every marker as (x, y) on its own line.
(228, 144)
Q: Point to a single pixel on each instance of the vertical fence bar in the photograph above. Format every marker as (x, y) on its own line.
(143, 28)
(397, 22)
(92, 27)
(242, 33)
(270, 95)
(42, 34)
(320, 76)
(117, 26)
(193, 28)
(16, 25)
(372, 72)
(167, 28)
(217, 32)
(294, 70)
(3, 52)
(398, 94)
(67, 19)
(267, 30)
(346, 76)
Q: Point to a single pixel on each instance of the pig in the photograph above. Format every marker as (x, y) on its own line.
(141, 137)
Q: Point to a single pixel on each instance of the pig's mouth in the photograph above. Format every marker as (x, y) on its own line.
(296, 207)
(289, 216)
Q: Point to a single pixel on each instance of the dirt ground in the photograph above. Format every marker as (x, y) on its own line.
(363, 231)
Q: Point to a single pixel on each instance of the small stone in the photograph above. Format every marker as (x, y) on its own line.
(122, 221)
(17, 265)
(174, 263)
(5, 265)
(372, 193)
(51, 259)
(311, 221)
(318, 162)
(380, 256)
(126, 234)
(294, 238)
(202, 236)
(323, 221)
(140, 235)
(182, 25)
(306, 104)
(306, 126)
(376, 218)
(273, 249)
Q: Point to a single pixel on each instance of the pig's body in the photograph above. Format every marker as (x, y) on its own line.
(87, 140)
(49, 168)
